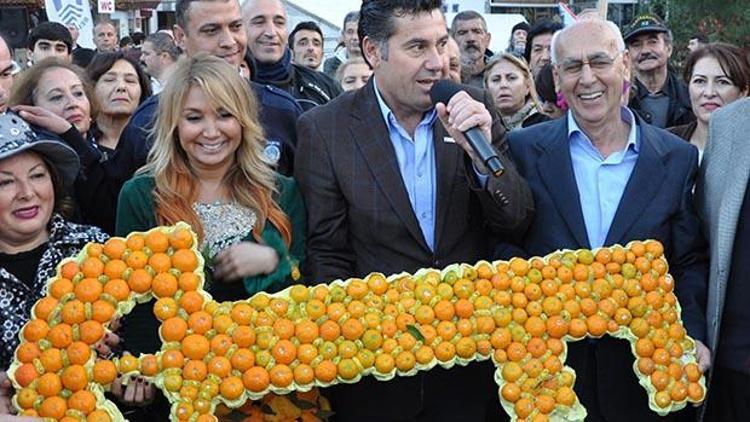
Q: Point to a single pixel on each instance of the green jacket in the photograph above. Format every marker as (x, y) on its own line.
(135, 212)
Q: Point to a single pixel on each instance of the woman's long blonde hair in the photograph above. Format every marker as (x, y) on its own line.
(250, 180)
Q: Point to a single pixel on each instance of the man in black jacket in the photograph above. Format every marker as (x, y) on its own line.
(661, 99)
(267, 40)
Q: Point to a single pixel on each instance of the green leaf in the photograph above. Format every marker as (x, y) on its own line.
(413, 330)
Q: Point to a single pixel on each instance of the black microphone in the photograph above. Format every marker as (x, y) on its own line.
(442, 91)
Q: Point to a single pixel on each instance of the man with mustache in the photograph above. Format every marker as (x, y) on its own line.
(267, 36)
(469, 29)
(661, 98)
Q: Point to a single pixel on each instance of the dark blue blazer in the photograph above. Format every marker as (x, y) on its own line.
(657, 204)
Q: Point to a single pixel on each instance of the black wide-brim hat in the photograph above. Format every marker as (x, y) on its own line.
(16, 137)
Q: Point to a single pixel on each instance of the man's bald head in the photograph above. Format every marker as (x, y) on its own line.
(591, 23)
(6, 74)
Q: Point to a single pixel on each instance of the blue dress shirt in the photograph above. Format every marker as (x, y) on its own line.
(601, 181)
(416, 160)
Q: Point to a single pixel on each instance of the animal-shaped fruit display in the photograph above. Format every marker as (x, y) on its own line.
(521, 314)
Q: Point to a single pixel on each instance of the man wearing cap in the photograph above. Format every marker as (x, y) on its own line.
(469, 29)
(660, 97)
(517, 42)
(50, 39)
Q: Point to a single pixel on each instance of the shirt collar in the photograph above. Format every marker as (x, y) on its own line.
(625, 114)
(390, 118)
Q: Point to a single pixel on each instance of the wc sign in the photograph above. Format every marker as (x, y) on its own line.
(106, 6)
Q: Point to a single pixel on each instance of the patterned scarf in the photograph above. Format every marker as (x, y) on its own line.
(515, 121)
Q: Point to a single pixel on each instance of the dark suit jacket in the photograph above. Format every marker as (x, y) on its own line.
(657, 204)
(360, 220)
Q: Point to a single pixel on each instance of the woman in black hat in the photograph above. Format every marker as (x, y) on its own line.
(34, 234)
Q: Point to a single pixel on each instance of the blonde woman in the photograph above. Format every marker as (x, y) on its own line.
(511, 85)
(207, 168)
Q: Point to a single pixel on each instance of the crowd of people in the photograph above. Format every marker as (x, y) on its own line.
(286, 163)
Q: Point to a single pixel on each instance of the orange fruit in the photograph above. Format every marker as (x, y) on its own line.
(511, 392)
(104, 372)
(195, 370)
(51, 359)
(35, 330)
(523, 407)
(220, 344)
(69, 270)
(114, 248)
(91, 331)
(27, 396)
(191, 301)
(660, 380)
(165, 308)
(102, 311)
(128, 363)
(157, 241)
(180, 238)
(84, 401)
(304, 374)
(195, 346)
(75, 378)
(188, 281)
(139, 280)
(115, 268)
(200, 322)
(695, 392)
(256, 379)
(172, 359)
(173, 329)
(160, 262)
(61, 335)
(231, 388)
(149, 365)
(27, 352)
(565, 396)
(283, 328)
(49, 385)
(185, 260)
(243, 336)
(25, 374)
(242, 313)
(44, 307)
(284, 352)
(92, 267)
(61, 287)
(53, 407)
(73, 312)
(306, 331)
(164, 284)
(98, 416)
(118, 289)
(88, 289)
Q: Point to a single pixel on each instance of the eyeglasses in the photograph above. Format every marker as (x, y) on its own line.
(597, 62)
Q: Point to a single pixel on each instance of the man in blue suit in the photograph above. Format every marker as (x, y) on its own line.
(602, 176)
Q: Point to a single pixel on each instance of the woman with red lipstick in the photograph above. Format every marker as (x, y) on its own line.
(717, 74)
(34, 234)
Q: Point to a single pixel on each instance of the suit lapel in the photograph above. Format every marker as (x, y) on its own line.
(447, 158)
(556, 170)
(370, 133)
(644, 183)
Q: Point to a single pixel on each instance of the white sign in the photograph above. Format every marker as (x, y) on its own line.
(106, 6)
(73, 12)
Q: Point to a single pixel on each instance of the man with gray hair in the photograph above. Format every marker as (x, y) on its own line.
(350, 38)
(469, 29)
(603, 176)
(159, 53)
(661, 98)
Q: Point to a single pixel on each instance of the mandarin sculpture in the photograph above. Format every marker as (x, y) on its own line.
(519, 313)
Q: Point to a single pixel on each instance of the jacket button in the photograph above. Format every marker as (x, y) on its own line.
(436, 263)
